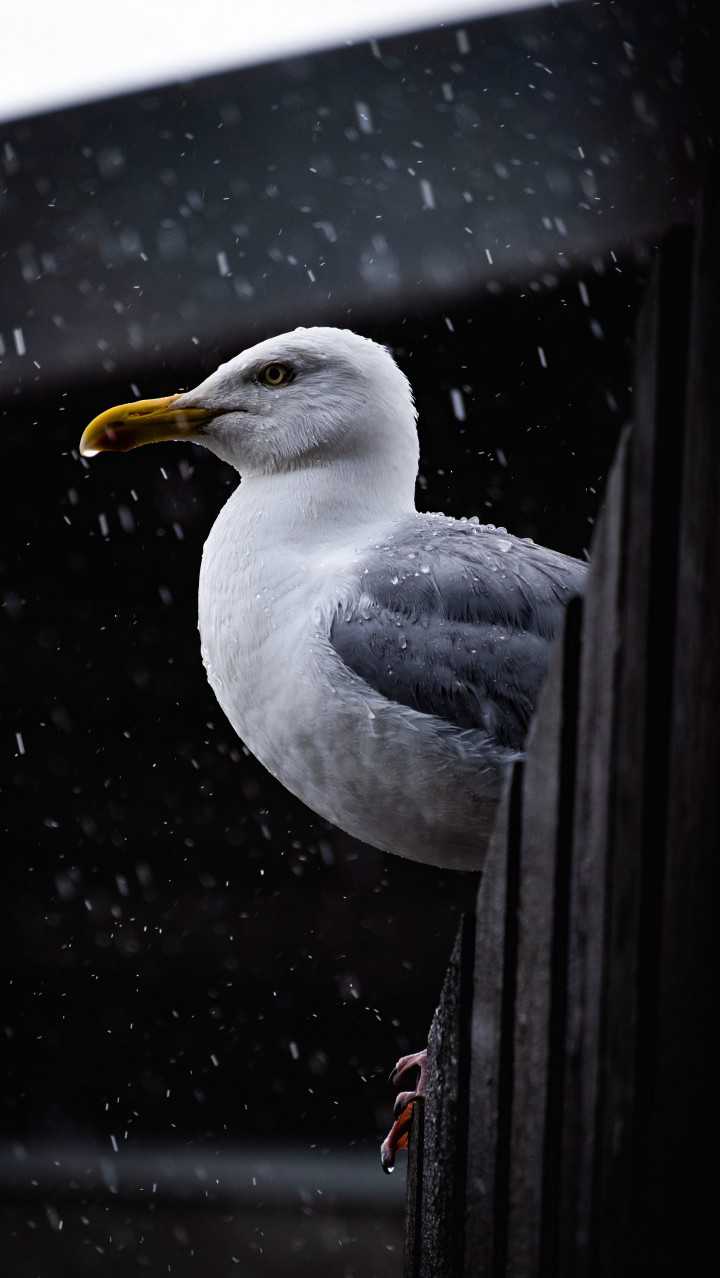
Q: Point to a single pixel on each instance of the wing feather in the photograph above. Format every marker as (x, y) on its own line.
(455, 619)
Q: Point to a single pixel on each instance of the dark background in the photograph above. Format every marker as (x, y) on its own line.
(168, 905)
(195, 963)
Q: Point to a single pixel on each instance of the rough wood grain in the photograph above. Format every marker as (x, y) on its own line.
(595, 745)
(493, 1018)
(541, 960)
(414, 1217)
(446, 1117)
(682, 1084)
(640, 764)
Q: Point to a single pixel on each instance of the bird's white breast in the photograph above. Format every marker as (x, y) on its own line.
(258, 616)
(363, 762)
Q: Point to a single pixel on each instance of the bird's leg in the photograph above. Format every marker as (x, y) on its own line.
(397, 1137)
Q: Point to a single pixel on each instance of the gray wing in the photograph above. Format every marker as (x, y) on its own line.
(455, 619)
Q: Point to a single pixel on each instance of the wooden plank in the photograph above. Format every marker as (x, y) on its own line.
(541, 961)
(491, 1071)
(679, 1140)
(446, 1116)
(565, 818)
(640, 776)
(595, 746)
(414, 1197)
(585, 945)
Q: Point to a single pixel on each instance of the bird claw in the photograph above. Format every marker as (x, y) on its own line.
(398, 1136)
(402, 1100)
(416, 1060)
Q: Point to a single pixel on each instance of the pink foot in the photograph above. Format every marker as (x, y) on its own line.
(397, 1137)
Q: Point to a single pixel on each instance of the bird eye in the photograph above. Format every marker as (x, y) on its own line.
(274, 375)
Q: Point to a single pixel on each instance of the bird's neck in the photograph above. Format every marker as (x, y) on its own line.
(319, 504)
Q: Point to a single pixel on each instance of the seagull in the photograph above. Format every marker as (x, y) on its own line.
(382, 663)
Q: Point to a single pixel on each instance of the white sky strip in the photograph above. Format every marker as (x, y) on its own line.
(54, 55)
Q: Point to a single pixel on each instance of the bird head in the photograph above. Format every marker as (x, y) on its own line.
(305, 398)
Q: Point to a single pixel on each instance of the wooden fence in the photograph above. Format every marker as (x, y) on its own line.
(566, 1127)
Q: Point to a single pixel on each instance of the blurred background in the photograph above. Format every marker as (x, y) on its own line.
(206, 985)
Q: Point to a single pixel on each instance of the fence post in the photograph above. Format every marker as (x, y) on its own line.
(414, 1217)
(587, 903)
(678, 1140)
(570, 1076)
(493, 1018)
(438, 1157)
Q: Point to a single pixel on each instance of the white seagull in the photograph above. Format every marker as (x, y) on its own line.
(383, 664)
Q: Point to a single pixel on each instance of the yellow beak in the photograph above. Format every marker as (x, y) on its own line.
(146, 421)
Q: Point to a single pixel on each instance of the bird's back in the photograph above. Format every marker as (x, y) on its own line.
(455, 619)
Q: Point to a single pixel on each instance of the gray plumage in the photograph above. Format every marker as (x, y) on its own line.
(455, 619)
